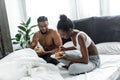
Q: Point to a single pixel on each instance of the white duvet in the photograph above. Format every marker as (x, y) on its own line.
(26, 65)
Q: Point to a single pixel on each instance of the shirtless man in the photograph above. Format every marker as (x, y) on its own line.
(48, 38)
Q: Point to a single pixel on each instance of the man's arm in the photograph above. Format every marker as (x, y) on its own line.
(34, 41)
(32, 44)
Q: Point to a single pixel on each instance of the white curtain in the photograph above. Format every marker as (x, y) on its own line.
(109, 7)
(104, 7)
(16, 13)
(13, 14)
(114, 6)
(87, 8)
(51, 9)
(20, 10)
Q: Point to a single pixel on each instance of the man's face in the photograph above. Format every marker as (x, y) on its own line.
(43, 27)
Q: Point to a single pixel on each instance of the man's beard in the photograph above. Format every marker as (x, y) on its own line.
(44, 32)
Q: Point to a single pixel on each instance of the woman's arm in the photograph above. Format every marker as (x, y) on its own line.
(83, 48)
(84, 52)
(67, 48)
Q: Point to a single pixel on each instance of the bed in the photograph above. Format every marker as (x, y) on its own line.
(26, 65)
(109, 69)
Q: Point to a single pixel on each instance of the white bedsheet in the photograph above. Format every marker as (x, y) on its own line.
(109, 70)
(26, 65)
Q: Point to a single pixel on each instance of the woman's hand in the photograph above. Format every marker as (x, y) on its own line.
(67, 48)
(62, 48)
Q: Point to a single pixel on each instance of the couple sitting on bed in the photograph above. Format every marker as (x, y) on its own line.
(51, 42)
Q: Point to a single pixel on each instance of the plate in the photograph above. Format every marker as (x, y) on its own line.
(53, 56)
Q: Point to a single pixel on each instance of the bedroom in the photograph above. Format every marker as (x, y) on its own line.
(105, 11)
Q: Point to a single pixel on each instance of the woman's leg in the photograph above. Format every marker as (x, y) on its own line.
(78, 68)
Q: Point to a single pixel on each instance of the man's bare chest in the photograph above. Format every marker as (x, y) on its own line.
(46, 40)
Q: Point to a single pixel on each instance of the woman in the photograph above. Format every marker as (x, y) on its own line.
(82, 42)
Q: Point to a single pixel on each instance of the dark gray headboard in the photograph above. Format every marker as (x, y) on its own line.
(100, 29)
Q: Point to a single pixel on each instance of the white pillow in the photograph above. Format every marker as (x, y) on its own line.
(68, 44)
(108, 48)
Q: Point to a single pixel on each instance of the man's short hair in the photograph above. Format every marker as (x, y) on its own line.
(42, 18)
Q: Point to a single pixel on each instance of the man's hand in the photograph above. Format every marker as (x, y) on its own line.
(63, 57)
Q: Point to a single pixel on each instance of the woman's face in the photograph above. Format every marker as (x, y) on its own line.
(64, 34)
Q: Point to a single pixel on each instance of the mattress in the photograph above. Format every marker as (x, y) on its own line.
(109, 70)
